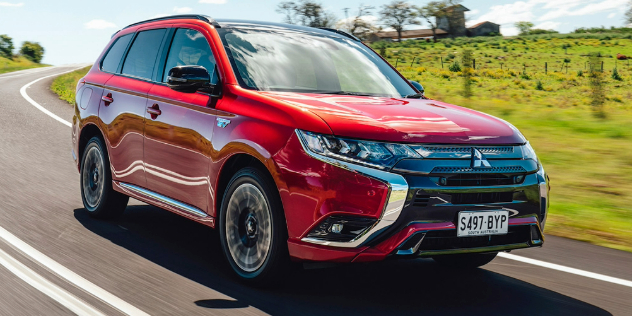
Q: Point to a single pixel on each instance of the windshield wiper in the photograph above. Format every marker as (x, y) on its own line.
(350, 93)
(414, 96)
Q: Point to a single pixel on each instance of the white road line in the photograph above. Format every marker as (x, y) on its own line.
(70, 276)
(41, 108)
(562, 268)
(29, 276)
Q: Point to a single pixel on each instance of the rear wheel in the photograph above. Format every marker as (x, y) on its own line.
(252, 228)
(97, 194)
(465, 261)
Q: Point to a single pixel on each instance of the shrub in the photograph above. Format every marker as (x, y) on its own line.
(580, 73)
(525, 76)
(455, 67)
(616, 76)
(539, 86)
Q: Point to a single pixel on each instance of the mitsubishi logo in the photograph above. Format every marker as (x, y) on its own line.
(478, 160)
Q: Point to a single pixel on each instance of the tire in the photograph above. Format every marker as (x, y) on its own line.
(252, 228)
(97, 194)
(465, 261)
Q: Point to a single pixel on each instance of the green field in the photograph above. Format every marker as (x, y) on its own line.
(588, 158)
(18, 63)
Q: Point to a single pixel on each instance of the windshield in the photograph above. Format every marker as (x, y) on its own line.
(300, 62)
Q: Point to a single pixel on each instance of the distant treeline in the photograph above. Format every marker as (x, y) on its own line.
(603, 30)
(32, 51)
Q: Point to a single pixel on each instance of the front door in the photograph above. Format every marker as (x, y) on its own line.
(179, 128)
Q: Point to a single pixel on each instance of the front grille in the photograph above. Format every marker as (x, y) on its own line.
(467, 180)
(477, 198)
(467, 150)
(448, 170)
(447, 239)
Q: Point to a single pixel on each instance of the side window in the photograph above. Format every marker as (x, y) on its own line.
(113, 57)
(189, 47)
(142, 55)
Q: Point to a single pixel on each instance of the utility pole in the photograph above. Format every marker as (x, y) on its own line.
(346, 12)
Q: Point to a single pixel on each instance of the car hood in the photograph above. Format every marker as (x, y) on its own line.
(403, 120)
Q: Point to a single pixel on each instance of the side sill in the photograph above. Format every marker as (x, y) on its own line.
(164, 202)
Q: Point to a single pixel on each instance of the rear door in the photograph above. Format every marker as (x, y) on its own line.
(122, 109)
(178, 141)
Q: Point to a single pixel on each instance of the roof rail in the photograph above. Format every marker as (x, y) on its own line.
(341, 32)
(204, 18)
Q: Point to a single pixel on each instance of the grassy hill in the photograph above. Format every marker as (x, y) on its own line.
(19, 63)
(588, 158)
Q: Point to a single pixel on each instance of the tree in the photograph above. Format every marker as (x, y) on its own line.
(524, 27)
(307, 13)
(360, 25)
(6, 46)
(434, 9)
(397, 15)
(628, 14)
(32, 51)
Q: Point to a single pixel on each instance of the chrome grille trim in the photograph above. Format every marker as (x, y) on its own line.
(465, 151)
(444, 170)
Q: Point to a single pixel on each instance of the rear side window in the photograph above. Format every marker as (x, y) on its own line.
(113, 57)
(142, 55)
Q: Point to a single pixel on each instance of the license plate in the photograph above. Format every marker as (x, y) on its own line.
(482, 223)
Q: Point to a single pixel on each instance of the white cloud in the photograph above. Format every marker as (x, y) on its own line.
(9, 4)
(548, 25)
(213, 1)
(182, 10)
(612, 15)
(159, 15)
(99, 24)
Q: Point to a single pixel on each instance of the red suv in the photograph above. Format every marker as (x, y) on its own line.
(298, 144)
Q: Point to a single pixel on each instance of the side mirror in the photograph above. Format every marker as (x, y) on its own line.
(417, 86)
(190, 79)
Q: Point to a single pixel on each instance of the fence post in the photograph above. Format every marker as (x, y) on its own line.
(602, 66)
(411, 64)
(396, 61)
(501, 66)
(474, 64)
(441, 62)
(546, 68)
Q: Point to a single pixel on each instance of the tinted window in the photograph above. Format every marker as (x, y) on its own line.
(142, 55)
(189, 47)
(113, 57)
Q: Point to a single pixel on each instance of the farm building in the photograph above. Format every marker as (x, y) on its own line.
(451, 24)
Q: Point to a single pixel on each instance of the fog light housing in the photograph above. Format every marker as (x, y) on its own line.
(518, 179)
(341, 228)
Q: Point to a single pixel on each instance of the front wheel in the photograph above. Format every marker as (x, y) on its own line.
(465, 261)
(252, 228)
(97, 194)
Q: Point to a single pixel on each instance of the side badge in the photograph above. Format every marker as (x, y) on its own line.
(222, 122)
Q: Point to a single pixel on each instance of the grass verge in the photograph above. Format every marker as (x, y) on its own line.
(19, 63)
(65, 85)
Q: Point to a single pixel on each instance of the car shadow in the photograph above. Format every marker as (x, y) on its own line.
(393, 287)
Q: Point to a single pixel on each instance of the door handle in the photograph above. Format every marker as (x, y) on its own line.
(107, 99)
(154, 110)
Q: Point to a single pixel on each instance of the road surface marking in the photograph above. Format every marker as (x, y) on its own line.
(53, 291)
(70, 276)
(41, 108)
(558, 267)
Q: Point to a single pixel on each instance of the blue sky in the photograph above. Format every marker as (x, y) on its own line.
(74, 31)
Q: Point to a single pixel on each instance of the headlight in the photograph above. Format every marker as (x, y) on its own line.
(372, 154)
(529, 153)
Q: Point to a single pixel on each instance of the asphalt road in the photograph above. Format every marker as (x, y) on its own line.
(55, 260)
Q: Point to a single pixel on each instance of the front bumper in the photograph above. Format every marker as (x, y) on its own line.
(419, 214)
